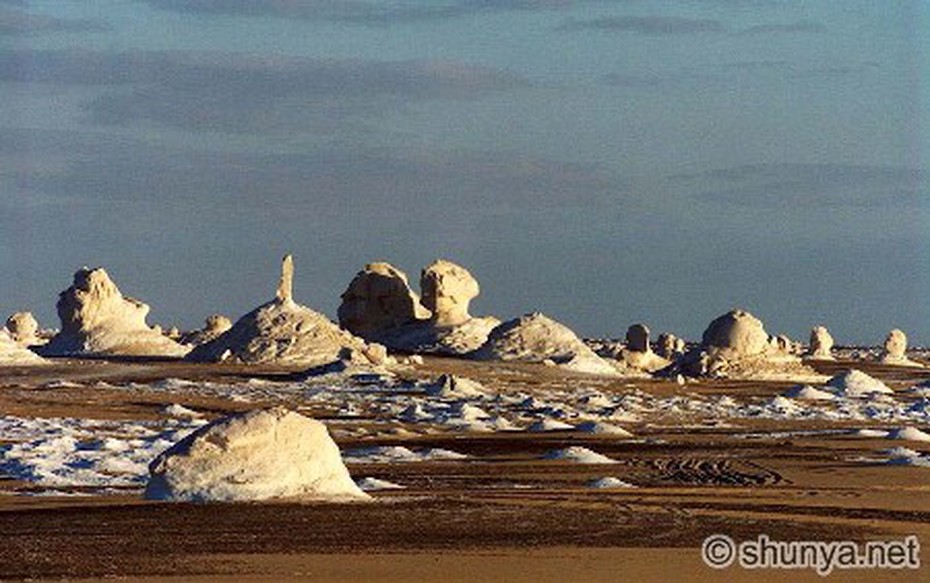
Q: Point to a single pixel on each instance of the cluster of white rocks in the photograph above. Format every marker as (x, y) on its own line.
(282, 331)
(379, 306)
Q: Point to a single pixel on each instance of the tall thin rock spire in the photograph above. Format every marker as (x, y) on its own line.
(285, 291)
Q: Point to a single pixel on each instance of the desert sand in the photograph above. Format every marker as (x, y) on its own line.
(473, 501)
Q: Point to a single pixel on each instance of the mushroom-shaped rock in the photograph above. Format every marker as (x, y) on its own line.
(23, 328)
(538, 338)
(821, 344)
(637, 338)
(12, 354)
(638, 353)
(380, 307)
(738, 332)
(447, 289)
(283, 332)
(259, 455)
(736, 345)
(96, 319)
(379, 298)
(894, 351)
(214, 326)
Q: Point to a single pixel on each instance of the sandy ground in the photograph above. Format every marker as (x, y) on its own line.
(509, 517)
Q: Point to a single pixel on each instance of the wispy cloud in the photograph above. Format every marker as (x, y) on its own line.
(20, 22)
(355, 11)
(241, 93)
(804, 27)
(647, 25)
(809, 185)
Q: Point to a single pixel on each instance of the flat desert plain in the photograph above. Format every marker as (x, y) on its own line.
(529, 473)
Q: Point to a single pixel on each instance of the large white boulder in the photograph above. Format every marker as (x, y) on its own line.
(538, 338)
(447, 289)
(24, 329)
(894, 350)
(97, 320)
(259, 455)
(283, 332)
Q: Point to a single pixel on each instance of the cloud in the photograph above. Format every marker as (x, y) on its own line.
(787, 28)
(809, 185)
(102, 169)
(647, 25)
(18, 22)
(354, 11)
(242, 93)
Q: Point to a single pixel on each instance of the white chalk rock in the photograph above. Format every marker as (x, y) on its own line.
(380, 307)
(379, 298)
(737, 332)
(283, 332)
(538, 338)
(638, 354)
(855, 383)
(213, 327)
(821, 344)
(23, 328)
(669, 346)
(97, 320)
(447, 289)
(894, 351)
(12, 354)
(259, 455)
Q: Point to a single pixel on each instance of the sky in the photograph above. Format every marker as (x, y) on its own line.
(603, 162)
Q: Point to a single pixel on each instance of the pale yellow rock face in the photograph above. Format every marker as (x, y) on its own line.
(96, 319)
(446, 290)
(379, 298)
(669, 346)
(23, 328)
(895, 345)
(821, 343)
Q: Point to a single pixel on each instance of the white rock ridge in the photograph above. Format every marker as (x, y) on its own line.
(286, 333)
(259, 455)
(538, 338)
(97, 320)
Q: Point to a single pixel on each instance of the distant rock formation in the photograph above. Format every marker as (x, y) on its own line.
(287, 333)
(12, 354)
(380, 307)
(214, 326)
(538, 338)
(447, 290)
(259, 455)
(736, 345)
(894, 351)
(669, 346)
(821, 344)
(638, 354)
(379, 298)
(97, 320)
(24, 329)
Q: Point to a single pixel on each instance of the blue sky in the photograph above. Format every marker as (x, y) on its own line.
(605, 162)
